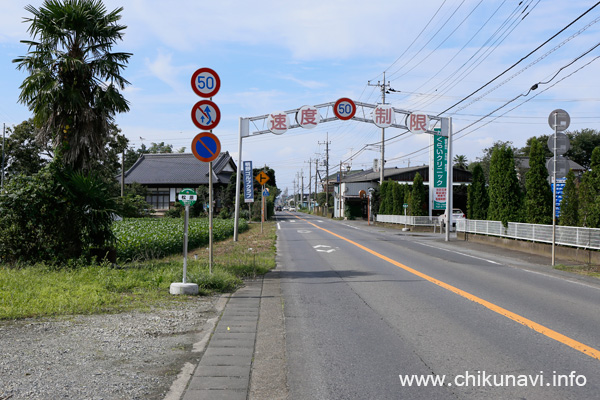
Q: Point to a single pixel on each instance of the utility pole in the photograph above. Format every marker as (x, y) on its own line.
(3, 144)
(302, 187)
(384, 87)
(316, 174)
(327, 143)
(340, 191)
(309, 178)
(294, 189)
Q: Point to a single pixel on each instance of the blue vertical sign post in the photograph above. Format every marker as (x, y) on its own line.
(248, 183)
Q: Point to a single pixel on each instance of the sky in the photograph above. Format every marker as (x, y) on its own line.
(278, 55)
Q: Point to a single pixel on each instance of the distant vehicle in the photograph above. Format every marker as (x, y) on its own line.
(292, 208)
(286, 208)
(278, 208)
(456, 214)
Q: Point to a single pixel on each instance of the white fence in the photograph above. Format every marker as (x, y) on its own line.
(587, 238)
(408, 220)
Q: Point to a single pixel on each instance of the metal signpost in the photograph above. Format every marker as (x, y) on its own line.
(187, 198)
(262, 178)
(558, 166)
(206, 147)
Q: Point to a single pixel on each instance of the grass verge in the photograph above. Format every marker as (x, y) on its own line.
(587, 270)
(37, 291)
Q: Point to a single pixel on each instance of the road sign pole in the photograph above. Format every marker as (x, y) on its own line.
(238, 179)
(262, 209)
(185, 241)
(554, 190)
(210, 217)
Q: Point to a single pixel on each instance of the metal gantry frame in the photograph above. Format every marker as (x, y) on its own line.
(361, 116)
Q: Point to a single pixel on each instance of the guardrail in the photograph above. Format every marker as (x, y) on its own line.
(586, 238)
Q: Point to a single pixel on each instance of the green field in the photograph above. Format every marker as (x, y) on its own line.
(41, 290)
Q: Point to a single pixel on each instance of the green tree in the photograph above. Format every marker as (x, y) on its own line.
(383, 205)
(504, 189)
(418, 197)
(569, 206)
(589, 191)
(74, 77)
(486, 159)
(543, 140)
(583, 143)
(160, 148)
(477, 196)
(538, 195)
(461, 162)
(398, 198)
(23, 153)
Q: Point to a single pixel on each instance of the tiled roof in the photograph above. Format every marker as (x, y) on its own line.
(177, 168)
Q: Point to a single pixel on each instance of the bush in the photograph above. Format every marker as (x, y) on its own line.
(54, 216)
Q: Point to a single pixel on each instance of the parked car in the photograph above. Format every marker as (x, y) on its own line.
(456, 214)
(278, 208)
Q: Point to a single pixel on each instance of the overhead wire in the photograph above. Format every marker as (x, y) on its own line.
(520, 60)
(429, 41)
(533, 87)
(479, 56)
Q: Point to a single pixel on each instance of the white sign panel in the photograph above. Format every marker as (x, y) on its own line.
(418, 122)
(278, 122)
(383, 116)
(308, 117)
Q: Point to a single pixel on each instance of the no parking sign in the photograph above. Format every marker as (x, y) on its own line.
(206, 146)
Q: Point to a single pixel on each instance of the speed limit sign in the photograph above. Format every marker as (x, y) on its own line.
(205, 82)
(344, 109)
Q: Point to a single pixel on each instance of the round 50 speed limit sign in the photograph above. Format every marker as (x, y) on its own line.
(205, 82)
(344, 109)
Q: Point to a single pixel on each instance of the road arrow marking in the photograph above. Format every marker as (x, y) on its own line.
(320, 245)
(326, 251)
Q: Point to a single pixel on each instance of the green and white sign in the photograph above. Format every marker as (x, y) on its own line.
(187, 197)
(440, 170)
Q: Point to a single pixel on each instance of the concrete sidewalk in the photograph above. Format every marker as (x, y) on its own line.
(245, 357)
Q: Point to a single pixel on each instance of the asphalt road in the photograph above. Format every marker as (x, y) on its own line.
(367, 307)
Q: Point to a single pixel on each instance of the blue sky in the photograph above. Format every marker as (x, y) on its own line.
(276, 55)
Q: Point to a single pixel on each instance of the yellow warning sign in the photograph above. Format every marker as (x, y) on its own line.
(262, 178)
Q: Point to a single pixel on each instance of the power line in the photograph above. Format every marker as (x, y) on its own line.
(523, 58)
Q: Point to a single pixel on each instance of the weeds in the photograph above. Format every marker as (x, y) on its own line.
(40, 290)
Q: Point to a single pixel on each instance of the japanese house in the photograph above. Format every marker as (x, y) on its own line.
(165, 175)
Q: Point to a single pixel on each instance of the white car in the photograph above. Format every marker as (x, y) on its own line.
(292, 208)
(456, 214)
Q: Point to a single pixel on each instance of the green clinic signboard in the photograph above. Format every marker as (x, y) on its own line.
(440, 174)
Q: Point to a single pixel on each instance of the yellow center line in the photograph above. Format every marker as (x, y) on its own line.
(587, 350)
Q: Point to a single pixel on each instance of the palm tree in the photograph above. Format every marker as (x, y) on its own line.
(74, 78)
(460, 162)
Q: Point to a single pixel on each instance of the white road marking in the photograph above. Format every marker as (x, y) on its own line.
(353, 227)
(458, 252)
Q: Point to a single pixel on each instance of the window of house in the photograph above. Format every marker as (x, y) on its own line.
(158, 198)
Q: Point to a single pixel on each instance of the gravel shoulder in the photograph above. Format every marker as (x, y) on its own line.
(131, 355)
